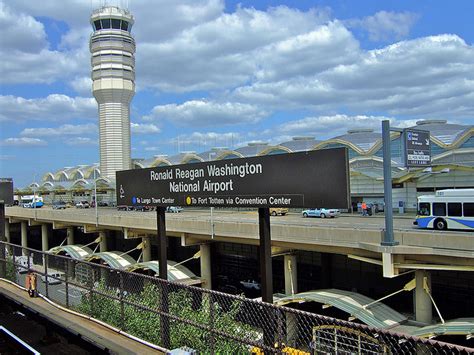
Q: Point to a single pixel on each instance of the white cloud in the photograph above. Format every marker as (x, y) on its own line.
(386, 25)
(23, 142)
(64, 130)
(54, 107)
(20, 32)
(203, 113)
(7, 157)
(82, 141)
(140, 128)
(233, 48)
(426, 77)
(82, 85)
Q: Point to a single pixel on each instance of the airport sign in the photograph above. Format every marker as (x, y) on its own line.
(317, 178)
(417, 148)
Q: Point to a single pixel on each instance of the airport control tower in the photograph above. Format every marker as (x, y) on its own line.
(113, 74)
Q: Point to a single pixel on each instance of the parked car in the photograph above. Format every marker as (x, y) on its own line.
(174, 209)
(59, 205)
(275, 211)
(102, 204)
(321, 212)
(124, 208)
(82, 204)
(143, 208)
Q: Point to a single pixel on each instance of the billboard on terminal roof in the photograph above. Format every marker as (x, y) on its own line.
(318, 178)
(6, 191)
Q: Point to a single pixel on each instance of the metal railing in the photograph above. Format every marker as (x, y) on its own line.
(173, 315)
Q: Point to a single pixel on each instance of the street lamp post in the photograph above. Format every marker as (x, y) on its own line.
(34, 195)
(95, 201)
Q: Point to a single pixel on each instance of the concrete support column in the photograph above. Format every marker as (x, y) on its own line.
(103, 241)
(70, 235)
(326, 270)
(206, 273)
(146, 248)
(24, 236)
(423, 306)
(7, 231)
(291, 272)
(44, 237)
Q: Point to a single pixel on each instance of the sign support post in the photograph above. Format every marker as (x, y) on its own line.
(3, 264)
(163, 265)
(387, 186)
(265, 250)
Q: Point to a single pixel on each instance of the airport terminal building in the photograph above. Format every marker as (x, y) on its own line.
(452, 149)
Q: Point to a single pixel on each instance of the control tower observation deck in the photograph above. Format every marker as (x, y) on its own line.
(113, 74)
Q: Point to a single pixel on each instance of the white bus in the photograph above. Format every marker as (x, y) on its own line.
(448, 209)
(31, 201)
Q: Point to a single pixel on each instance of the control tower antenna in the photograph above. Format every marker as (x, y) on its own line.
(112, 48)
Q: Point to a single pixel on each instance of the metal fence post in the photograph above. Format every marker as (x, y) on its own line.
(211, 323)
(46, 259)
(122, 306)
(66, 281)
(3, 264)
(91, 289)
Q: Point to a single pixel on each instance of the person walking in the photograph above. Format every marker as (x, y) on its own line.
(364, 208)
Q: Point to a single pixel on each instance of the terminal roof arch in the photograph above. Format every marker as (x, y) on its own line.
(48, 177)
(275, 149)
(76, 251)
(378, 315)
(191, 158)
(113, 259)
(252, 149)
(300, 144)
(228, 154)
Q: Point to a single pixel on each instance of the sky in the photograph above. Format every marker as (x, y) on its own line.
(215, 73)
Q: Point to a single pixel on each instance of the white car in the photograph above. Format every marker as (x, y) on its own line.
(174, 209)
(321, 212)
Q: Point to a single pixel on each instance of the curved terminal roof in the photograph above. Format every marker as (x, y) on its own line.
(378, 315)
(453, 144)
(446, 133)
(113, 259)
(300, 144)
(76, 251)
(179, 273)
(364, 139)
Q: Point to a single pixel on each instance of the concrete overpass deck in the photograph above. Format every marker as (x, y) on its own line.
(356, 237)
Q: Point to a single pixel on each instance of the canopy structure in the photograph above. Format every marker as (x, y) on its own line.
(76, 251)
(176, 273)
(377, 315)
(114, 259)
(459, 326)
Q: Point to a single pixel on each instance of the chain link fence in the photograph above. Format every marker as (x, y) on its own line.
(173, 315)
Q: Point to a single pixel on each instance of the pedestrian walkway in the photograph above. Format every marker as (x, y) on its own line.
(91, 331)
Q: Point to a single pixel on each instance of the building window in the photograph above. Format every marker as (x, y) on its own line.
(97, 25)
(116, 23)
(105, 23)
(124, 26)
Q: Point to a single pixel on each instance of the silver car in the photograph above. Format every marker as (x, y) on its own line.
(321, 212)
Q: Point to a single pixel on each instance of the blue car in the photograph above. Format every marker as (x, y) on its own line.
(321, 212)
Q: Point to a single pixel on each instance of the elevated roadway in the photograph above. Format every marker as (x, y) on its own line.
(355, 236)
